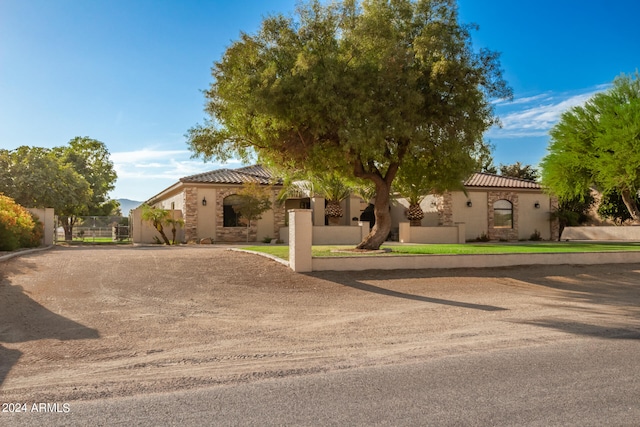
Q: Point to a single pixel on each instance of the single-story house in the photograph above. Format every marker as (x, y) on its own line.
(492, 205)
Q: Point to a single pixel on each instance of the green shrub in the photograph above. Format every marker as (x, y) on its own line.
(18, 228)
(535, 236)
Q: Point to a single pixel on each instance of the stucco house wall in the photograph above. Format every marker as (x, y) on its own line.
(200, 198)
(531, 208)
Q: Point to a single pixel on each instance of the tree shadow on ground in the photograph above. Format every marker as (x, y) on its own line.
(586, 329)
(610, 293)
(22, 319)
(356, 280)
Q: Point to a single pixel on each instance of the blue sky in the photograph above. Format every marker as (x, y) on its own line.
(130, 72)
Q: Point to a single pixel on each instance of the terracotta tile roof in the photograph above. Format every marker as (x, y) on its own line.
(496, 181)
(249, 174)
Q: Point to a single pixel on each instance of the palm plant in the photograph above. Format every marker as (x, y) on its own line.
(331, 187)
(174, 223)
(157, 217)
(334, 190)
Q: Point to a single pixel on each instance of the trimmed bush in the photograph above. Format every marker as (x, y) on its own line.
(18, 228)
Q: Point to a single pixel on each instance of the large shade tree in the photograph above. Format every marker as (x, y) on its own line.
(36, 177)
(356, 87)
(74, 179)
(598, 144)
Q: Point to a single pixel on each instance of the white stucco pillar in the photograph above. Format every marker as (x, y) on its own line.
(317, 206)
(300, 240)
(461, 232)
(364, 229)
(404, 229)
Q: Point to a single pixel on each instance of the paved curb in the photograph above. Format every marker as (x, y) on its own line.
(25, 252)
(273, 257)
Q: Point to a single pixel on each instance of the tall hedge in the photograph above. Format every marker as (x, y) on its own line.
(18, 228)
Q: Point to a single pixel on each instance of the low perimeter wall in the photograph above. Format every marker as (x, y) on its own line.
(455, 234)
(47, 218)
(629, 233)
(302, 261)
(333, 235)
(468, 261)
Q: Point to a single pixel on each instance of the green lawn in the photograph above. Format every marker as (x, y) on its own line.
(468, 248)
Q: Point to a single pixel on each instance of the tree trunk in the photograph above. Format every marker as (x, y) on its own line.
(67, 226)
(632, 206)
(164, 236)
(380, 231)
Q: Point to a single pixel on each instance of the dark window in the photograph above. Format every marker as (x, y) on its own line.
(502, 214)
(231, 218)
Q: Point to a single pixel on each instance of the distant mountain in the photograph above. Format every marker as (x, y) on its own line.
(126, 205)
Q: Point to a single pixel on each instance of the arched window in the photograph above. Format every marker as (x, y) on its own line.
(502, 214)
(231, 217)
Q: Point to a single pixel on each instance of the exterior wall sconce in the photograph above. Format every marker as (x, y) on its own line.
(469, 204)
(204, 201)
(536, 205)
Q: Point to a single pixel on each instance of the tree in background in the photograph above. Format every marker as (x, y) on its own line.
(253, 201)
(74, 180)
(418, 179)
(89, 158)
(573, 212)
(356, 86)
(37, 177)
(518, 170)
(612, 207)
(598, 145)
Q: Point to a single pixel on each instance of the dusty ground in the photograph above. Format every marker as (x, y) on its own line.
(86, 323)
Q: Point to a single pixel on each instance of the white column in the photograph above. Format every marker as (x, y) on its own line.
(405, 232)
(300, 235)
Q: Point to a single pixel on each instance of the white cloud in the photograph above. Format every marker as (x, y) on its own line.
(145, 172)
(536, 115)
(146, 154)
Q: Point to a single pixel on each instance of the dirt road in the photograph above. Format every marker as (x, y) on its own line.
(85, 323)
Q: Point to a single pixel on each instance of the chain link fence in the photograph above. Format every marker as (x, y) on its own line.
(93, 229)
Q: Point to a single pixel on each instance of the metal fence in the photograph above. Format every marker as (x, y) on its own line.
(95, 229)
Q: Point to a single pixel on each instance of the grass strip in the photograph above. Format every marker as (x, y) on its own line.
(282, 251)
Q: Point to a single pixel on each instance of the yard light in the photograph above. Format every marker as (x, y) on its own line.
(469, 204)
(204, 201)
(536, 205)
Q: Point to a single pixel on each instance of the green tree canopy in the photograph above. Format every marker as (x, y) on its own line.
(253, 201)
(90, 158)
(518, 170)
(598, 144)
(75, 179)
(356, 87)
(37, 178)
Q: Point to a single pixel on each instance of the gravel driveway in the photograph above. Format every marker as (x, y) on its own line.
(86, 323)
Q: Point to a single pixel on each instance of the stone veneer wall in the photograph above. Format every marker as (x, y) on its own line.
(190, 213)
(231, 234)
(502, 233)
(445, 210)
(279, 213)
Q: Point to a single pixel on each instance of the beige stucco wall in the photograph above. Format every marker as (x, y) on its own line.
(628, 233)
(206, 226)
(176, 199)
(144, 232)
(468, 261)
(428, 205)
(333, 235)
(532, 218)
(475, 217)
(47, 217)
